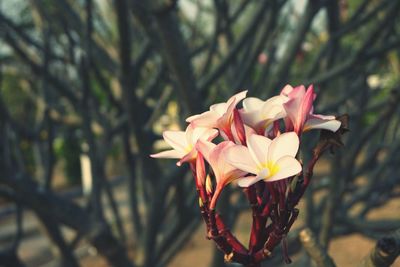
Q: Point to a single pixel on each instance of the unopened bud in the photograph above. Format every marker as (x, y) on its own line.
(200, 202)
(209, 185)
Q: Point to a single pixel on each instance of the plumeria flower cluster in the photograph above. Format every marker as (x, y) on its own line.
(259, 150)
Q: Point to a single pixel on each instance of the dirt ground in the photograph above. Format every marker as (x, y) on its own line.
(36, 251)
(346, 251)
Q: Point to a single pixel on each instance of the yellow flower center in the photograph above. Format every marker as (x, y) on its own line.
(188, 148)
(271, 167)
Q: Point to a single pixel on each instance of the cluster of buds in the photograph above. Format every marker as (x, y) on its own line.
(260, 151)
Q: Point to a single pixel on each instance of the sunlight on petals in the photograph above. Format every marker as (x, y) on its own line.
(240, 157)
(322, 122)
(219, 115)
(286, 144)
(224, 172)
(260, 114)
(183, 143)
(175, 138)
(288, 166)
(168, 154)
(257, 145)
(268, 160)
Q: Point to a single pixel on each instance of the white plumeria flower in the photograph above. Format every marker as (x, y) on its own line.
(220, 115)
(183, 143)
(260, 114)
(269, 160)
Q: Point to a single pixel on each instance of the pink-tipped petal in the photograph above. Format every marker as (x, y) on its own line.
(238, 97)
(205, 147)
(191, 156)
(287, 144)
(249, 131)
(305, 108)
(292, 110)
(287, 90)
(298, 92)
(288, 166)
(211, 134)
(239, 131)
(200, 170)
(222, 169)
(234, 175)
(231, 105)
(239, 157)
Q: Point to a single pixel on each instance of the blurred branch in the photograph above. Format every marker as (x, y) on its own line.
(38, 69)
(53, 231)
(221, 68)
(385, 252)
(283, 67)
(173, 49)
(314, 250)
(361, 54)
(70, 214)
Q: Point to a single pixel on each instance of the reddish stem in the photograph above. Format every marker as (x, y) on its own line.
(251, 194)
(236, 245)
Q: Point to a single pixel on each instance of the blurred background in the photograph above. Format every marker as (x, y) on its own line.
(88, 86)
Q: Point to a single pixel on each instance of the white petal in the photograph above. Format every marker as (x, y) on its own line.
(322, 123)
(203, 133)
(258, 147)
(205, 119)
(288, 166)
(218, 161)
(192, 118)
(273, 111)
(169, 154)
(176, 139)
(189, 133)
(247, 181)
(287, 90)
(252, 104)
(251, 118)
(219, 108)
(264, 173)
(277, 100)
(286, 144)
(323, 117)
(239, 157)
(237, 97)
(248, 131)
